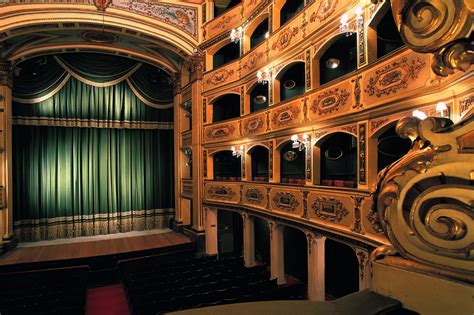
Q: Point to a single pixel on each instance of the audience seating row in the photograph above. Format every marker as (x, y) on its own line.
(51, 291)
(155, 288)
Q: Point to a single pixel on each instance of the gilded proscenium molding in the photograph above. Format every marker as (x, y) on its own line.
(425, 199)
(439, 27)
(329, 208)
(394, 77)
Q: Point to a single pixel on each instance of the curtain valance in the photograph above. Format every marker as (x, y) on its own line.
(43, 77)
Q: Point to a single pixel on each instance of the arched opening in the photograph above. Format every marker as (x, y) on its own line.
(226, 54)
(341, 271)
(259, 157)
(338, 160)
(292, 164)
(390, 148)
(339, 58)
(229, 233)
(221, 6)
(388, 36)
(227, 166)
(226, 107)
(258, 97)
(296, 255)
(290, 9)
(259, 34)
(262, 241)
(291, 81)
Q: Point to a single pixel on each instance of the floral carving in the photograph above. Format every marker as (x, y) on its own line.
(253, 195)
(221, 192)
(394, 77)
(285, 201)
(325, 9)
(253, 125)
(375, 124)
(374, 220)
(284, 39)
(465, 104)
(220, 132)
(285, 115)
(329, 208)
(226, 19)
(220, 76)
(252, 61)
(330, 101)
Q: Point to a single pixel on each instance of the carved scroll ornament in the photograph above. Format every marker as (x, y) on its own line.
(425, 200)
(441, 27)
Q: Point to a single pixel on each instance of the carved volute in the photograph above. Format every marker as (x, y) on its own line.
(425, 200)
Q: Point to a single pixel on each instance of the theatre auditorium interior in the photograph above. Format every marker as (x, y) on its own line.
(236, 157)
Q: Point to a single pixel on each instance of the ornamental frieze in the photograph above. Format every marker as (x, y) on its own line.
(253, 196)
(329, 208)
(394, 77)
(253, 60)
(220, 132)
(220, 76)
(465, 104)
(330, 101)
(285, 201)
(325, 9)
(284, 38)
(253, 125)
(226, 19)
(221, 192)
(285, 115)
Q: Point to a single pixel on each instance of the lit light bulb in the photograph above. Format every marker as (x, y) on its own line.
(241, 148)
(358, 11)
(441, 106)
(267, 34)
(233, 149)
(294, 138)
(419, 114)
(344, 18)
(305, 137)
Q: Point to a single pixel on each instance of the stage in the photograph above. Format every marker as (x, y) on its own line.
(98, 252)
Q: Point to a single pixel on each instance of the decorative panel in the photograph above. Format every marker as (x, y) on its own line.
(255, 60)
(254, 196)
(254, 124)
(285, 38)
(330, 207)
(321, 11)
(222, 132)
(287, 200)
(187, 188)
(330, 102)
(223, 23)
(286, 115)
(221, 76)
(222, 191)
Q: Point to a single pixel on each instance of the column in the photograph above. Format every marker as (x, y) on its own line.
(177, 148)
(7, 241)
(316, 264)
(211, 231)
(365, 278)
(277, 254)
(249, 240)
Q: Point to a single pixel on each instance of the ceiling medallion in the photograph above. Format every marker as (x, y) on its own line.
(102, 4)
(99, 37)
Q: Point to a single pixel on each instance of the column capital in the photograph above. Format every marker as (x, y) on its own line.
(195, 65)
(6, 73)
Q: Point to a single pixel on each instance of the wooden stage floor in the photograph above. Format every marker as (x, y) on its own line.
(100, 247)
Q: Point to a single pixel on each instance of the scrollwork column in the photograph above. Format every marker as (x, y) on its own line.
(316, 267)
(7, 240)
(249, 240)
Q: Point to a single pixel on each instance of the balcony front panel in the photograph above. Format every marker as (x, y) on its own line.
(222, 191)
(222, 132)
(288, 115)
(223, 75)
(287, 200)
(330, 102)
(254, 60)
(255, 124)
(255, 196)
(286, 37)
(223, 23)
(320, 12)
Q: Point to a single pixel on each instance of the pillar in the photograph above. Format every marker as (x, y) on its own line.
(277, 254)
(7, 240)
(316, 267)
(211, 231)
(249, 240)
(365, 278)
(178, 174)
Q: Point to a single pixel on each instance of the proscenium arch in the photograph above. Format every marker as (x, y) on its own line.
(34, 15)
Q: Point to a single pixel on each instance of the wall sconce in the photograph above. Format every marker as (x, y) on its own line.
(236, 34)
(419, 114)
(263, 77)
(237, 153)
(442, 110)
(344, 26)
(300, 145)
